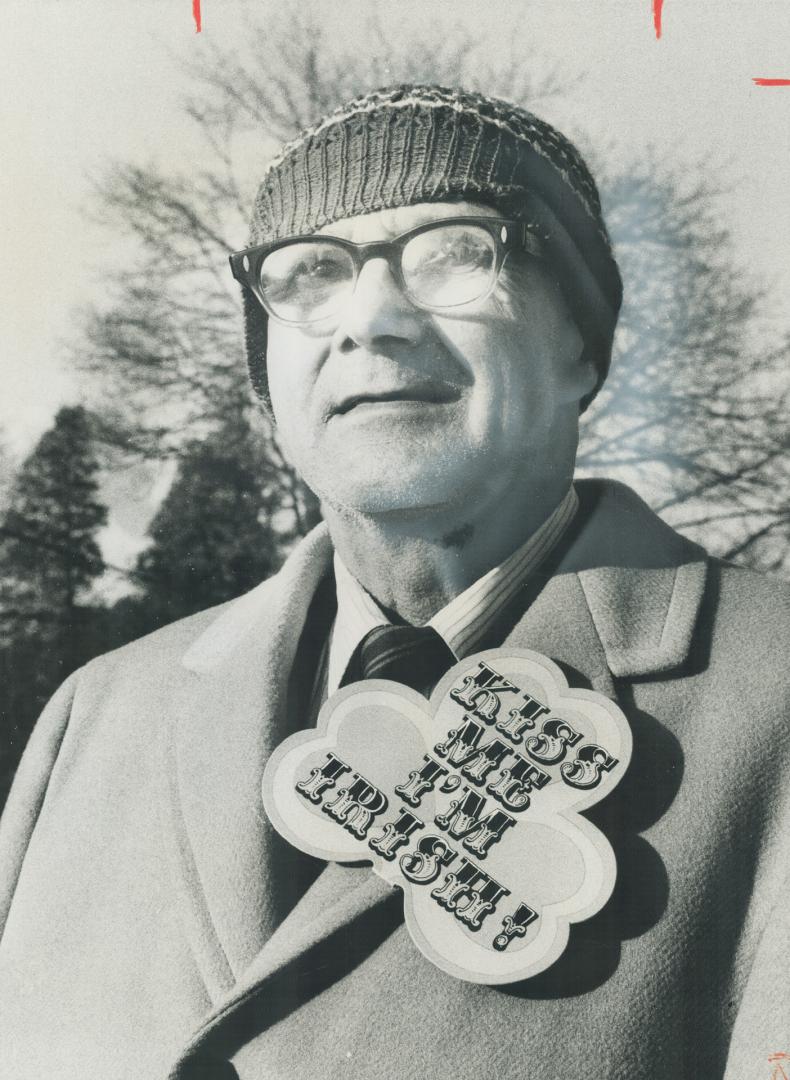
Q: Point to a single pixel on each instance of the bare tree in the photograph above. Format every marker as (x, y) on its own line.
(166, 353)
(691, 415)
(694, 412)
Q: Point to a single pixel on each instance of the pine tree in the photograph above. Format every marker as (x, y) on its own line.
(48, 546)
(49, 556)
(211, 536)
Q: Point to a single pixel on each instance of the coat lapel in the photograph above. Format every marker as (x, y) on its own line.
(623, 601)
(558, 624)
(229, 714)
(643, 583)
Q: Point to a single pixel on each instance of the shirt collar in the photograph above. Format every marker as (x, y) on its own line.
(464, 621)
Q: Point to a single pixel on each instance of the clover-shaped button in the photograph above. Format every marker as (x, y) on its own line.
(469, 802)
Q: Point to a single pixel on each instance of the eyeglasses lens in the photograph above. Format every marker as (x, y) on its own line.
(449, 266)
(306, 282)
(442, 267)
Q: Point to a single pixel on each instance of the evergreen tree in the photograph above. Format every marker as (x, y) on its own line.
(6, 473)
(49, 556)
(48, 547)
(211, 536)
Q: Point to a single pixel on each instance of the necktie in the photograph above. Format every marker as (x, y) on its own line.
(416, 656)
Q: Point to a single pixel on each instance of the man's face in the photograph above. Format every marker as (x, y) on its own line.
(401, 409)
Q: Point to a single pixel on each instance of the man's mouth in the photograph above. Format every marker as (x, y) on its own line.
(422, 394)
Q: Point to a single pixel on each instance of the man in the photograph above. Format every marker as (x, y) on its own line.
(430, 299)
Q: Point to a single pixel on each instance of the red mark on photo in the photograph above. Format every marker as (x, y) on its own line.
(196, 15)
(779, 1072)
(657, 9)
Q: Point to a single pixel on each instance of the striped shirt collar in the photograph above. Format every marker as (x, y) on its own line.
(466, 619)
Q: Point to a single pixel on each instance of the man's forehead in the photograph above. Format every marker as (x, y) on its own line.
(383, 224)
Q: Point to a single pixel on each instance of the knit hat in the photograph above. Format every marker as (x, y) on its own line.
(413, 144)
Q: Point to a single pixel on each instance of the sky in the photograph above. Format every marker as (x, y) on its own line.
(86, 82)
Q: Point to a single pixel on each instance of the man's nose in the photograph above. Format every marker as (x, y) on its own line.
(378, 308)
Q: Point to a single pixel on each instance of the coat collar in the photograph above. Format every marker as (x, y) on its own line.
(276, 608)
(642, 583)
(623, 601)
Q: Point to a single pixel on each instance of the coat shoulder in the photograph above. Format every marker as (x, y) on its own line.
(163, 647)
(756, 605)
(747, 624)
(136, 682)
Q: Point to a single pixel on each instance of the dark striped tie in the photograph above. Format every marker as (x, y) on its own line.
(416, 656)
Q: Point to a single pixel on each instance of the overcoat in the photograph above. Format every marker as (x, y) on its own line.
(144, 930)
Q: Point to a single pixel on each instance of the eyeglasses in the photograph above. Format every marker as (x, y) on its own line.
(440, 266)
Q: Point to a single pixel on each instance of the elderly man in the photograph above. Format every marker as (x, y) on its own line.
(430, 299)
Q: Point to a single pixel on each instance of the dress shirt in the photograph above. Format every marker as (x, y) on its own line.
(465, 620)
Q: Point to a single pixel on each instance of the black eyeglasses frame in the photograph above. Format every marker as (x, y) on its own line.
(508, 235)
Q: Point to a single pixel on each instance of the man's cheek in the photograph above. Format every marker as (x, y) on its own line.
(293, 431)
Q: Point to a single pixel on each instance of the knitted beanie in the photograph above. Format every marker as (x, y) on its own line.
(413, 144)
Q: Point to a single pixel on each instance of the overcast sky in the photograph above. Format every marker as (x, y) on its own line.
(87, 81)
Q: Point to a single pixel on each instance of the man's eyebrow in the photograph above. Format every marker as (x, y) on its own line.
(388, 228)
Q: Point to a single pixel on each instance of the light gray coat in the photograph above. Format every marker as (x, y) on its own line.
(142, 936)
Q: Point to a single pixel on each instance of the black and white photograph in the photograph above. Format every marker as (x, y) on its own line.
(395, 540)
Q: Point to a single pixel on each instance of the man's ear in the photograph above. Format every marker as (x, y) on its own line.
(588, 370)
(589, 376)
(581, 368)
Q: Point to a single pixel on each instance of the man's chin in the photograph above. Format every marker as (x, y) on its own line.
(379, 474)
(392, 495)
